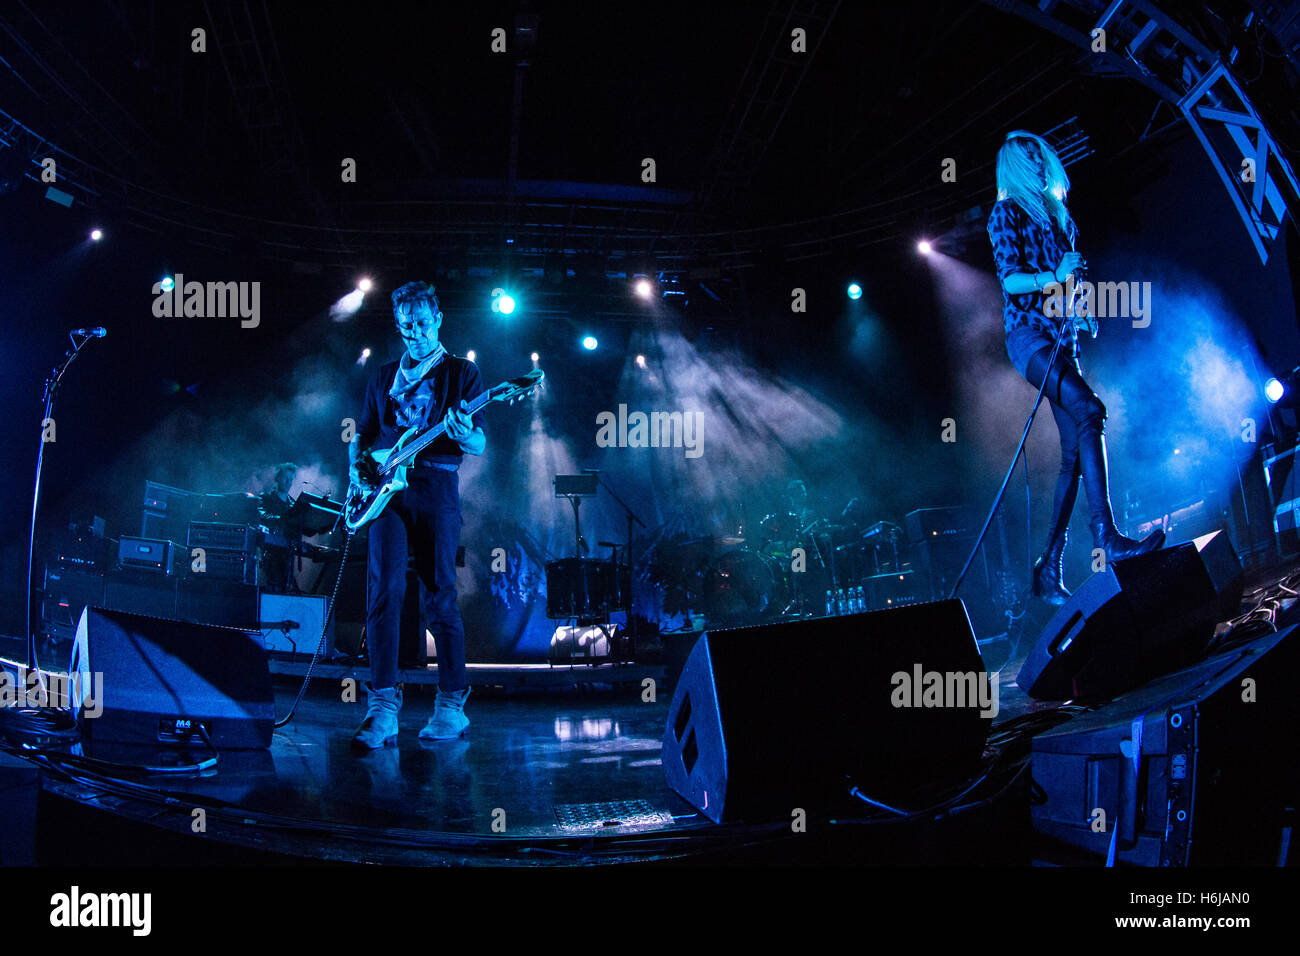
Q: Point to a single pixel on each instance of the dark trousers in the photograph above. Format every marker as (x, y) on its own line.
(424, 522)
(1080, 419)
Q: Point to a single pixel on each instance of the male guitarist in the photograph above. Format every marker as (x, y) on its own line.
(427, 385)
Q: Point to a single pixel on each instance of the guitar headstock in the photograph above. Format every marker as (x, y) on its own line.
(518, 388)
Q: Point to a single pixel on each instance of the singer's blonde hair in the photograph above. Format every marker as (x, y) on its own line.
(1042, 195)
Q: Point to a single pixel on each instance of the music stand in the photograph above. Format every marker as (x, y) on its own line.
(575, 488)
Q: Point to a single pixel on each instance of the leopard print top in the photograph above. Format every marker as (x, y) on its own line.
(1023, 244)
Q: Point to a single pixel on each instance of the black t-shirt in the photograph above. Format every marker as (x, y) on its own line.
(454, 379)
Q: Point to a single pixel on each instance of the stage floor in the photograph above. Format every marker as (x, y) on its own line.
(560, 776)
(547, 775)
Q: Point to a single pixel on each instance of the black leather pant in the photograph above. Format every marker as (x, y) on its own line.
(1080, 418)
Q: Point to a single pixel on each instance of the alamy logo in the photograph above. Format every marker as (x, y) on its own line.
(209, 300)
(25, 690)
(922, 688)
(75, 908)
(655, 430)
(1105, 300)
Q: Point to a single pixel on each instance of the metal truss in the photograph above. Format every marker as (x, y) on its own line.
(1257, 176)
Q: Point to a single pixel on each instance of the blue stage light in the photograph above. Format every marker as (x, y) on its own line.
(168, 283)
(589, 343)
(96, 234)
(924, 247)
(855, 291)
(507, 304)
(1274, 390)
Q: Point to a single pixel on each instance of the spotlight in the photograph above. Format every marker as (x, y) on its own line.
(365, 354)
(536, 357)
(924, 247)
(589, 343)
(168, 283)
(96, 234)
(502, 301)
(365, 285)
(640, 361)
(1274, 390)
(643, 288)
(472, 355)
(855, 291)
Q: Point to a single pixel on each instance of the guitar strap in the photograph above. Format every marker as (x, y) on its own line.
(442, 389)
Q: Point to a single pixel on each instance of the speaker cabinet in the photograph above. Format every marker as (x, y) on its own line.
(151, 681)
(776, 717)
(1140, 618)
(1199, 767)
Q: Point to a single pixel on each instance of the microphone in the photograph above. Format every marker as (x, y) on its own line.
(96, 333)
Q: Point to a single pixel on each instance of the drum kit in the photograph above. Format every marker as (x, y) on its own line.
(787, 570)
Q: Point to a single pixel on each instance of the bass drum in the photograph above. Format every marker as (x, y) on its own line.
(583, 588)
(743, 586)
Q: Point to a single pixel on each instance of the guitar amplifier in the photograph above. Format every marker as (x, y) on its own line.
(221, 565)
(147, 554)
(893, 590)
(939, 540)
(222, 535)
(67, 592)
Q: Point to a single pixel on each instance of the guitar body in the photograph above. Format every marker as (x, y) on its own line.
(364, 509)
(386, 470)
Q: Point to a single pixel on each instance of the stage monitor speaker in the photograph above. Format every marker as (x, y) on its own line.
(1140, 618)
(776, 717)
(1199, 767)
(158, 680)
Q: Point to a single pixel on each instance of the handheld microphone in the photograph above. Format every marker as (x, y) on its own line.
(96, 333)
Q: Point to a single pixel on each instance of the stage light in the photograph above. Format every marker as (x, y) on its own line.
(1274, 390)
(640, 361)
(472, 355)
(924, 247)
(96, 234)
(536, 357)
(589, 343)
(365, 285)
(503, 301)
(168, 283)
(643, 288)
(855, 291)
(365, 354)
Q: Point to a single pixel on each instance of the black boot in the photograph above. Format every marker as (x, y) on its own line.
(1118, 547)
(1092, 458)
(1048, 571)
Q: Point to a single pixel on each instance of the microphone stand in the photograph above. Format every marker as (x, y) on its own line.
(631, 517)
(52, 383)
(1067, 322)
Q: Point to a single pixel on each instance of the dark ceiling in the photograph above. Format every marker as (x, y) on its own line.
(758, 149)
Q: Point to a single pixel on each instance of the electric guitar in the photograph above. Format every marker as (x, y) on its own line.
(385, 469)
